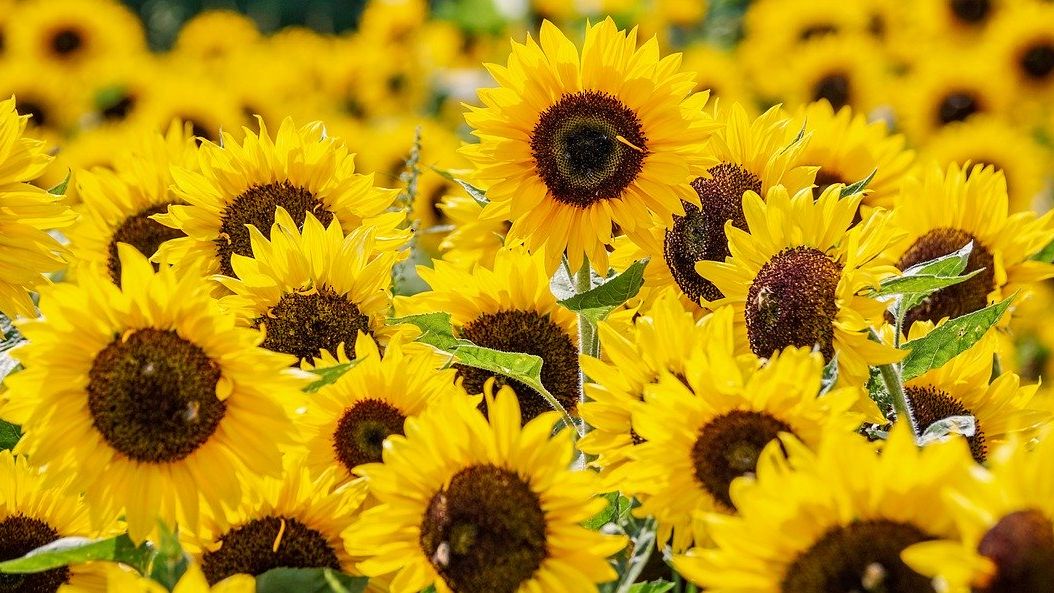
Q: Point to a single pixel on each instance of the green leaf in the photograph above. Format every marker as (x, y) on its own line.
(830, 375)
(308, 580)
(1046, 254)
(952, 264)
(436, 329)
(9, 435)
(653, 587)
(942, 429)
(169, 562)
(78, 550)
(920, 284)
(616, 507)
(949, 340)
(328, 376)
(595, 303)
(859, 186)
(60, 189)
(476, 193)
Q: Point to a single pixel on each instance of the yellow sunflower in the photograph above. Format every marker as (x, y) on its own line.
(752, 155)
(71, 33)
(478, 506)
(572, 142)
(348, 421)
(117, 204)
(474, 239)
(213, 35)
(26, 213)
(796, 278)
(962, 387)
(941, 211)
(192, 581)
(706, 427)
(119, 85)
(949, 88)
(243, 183)
(1004, 516)
(848, 148)
(52, 105)
(716, 70)
(291, 521)
(845, 71)
(833, 520)
(190, 96)
(955, 22)
(1022, 40)
(657, 341)
(991, 140)
(312, 291)
(150, 394)
(508, 307)
(34, 513)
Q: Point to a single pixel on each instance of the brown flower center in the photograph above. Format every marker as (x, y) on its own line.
(1021, 545)
(729, 446)
(958, 106)
(19, 535)
(359, 437)
(931, 405)
(958, 299)
(834, 87)
(251, 549)
(306, 324)
(152, 396)
(578, 152)
(485, 532)
(1037, 61)
(792, 302)
(66, 42)
(971, 12)
(139, 231)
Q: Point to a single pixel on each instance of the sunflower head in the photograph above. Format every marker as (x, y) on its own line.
(574, 141)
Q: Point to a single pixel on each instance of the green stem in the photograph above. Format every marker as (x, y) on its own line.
(586, 332)
(895, 385)
(645, 545)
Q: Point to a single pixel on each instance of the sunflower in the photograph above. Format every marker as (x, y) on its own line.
(1001, 408)
(1005, 516)
(752, 155)
(26, 213)
(192, 581)
(706, 427)
(795, 278)
(954, 22)
(658, 340)
(991, 140)
(949, 88)
(150, 394)
(508, 307)
(841, 70)
(349, 420)
(119, 85)
(292, 521)
(212, 35)
(52, 105)
(474, 239)
(71, 33)
(1022, 40)
(34, 513)
(240, 184)
(492, 508)
(89, 149)
(574, 142)
(833, 520)
(847, 148)
(189, 96)
(314, 290)
(716, 70)
(943, 210)
(118, 204)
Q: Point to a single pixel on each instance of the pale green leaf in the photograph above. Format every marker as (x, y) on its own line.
(596, 303)
(436, 329)
(949, 340)
(919, 284)
(942, 429)
(60, 189)
(859, 186)
(78, 550)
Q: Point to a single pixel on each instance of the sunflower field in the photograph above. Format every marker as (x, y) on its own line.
(662, 296)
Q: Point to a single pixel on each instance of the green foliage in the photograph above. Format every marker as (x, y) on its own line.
(9, 435)
(60, 189)
(595, 304)
(830, 375)
(946, 341)
(329, 375)
(653, 587)
(308, 580)
(1046, 254)
(616, 511)
(78, 550)
(436, 329)
(167, 562)
(859, 186)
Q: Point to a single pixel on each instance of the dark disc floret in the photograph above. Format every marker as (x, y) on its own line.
(792, 302)
(958, 299)
(38, 114)
(19, 535)
(578, 152)
(861, 556)
(152, 396)
(1021, 544)
(485, 532)
(957, 106)
(971, 12)
(67, 41)
(1037, 61)
(931, 404)
(699, 235)
(532, 333)
(835, 87)
(250, 549)
(361, 430)
(120, 107)
(729, 446)
(139, 231)
(305, 324)
(257, 206)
